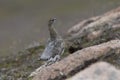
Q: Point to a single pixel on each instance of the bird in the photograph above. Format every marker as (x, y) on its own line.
(55, 45)
(54, 48)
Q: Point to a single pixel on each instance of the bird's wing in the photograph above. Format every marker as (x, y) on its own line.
(58, 49)
(47, 53)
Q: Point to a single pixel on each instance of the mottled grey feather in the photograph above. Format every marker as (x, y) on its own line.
(55, 45)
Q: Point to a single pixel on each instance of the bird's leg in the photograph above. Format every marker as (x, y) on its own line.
(53, 60)
(56, 58)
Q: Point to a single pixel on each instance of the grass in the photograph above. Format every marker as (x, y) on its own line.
(21, 65)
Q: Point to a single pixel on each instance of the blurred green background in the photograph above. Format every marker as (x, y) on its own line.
(23, 22)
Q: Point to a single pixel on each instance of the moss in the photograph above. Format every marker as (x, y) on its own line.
(65, 53)
(22, 64)
(107, 35)
(30, 78)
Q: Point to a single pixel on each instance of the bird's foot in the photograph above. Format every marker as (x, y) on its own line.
(53, 60)
(56, 58)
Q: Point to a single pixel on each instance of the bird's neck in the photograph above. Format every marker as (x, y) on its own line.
(53, 33)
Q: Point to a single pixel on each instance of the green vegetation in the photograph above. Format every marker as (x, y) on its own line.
(20, 66)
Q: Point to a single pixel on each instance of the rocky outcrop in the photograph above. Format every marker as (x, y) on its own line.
(78, 61)
(94, 31)
(92, 40)
(98, 71)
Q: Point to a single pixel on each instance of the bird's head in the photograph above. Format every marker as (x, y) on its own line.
(51, 21)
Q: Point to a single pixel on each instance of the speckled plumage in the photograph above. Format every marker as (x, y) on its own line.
(55, 44)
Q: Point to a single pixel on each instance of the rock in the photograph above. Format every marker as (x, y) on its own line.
(94, 31)
(78, 61)
(98, 71)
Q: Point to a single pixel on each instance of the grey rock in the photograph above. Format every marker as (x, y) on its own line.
(98, 71)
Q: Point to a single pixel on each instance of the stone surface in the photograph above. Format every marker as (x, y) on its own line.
(94, 31)
(78, 61)
(98, 71)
